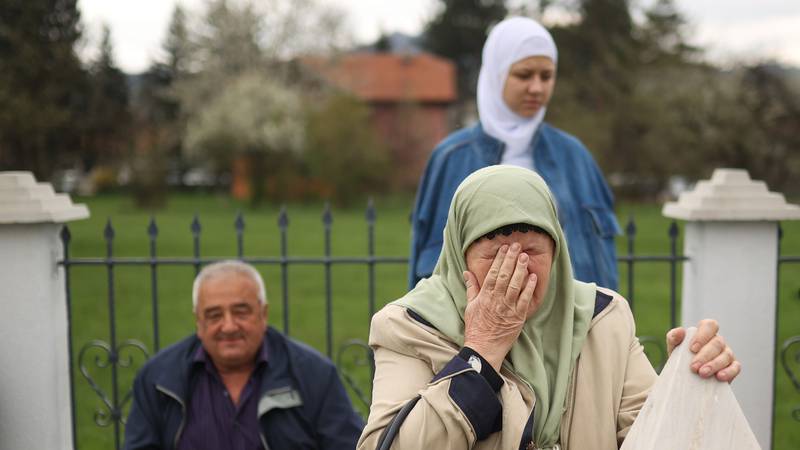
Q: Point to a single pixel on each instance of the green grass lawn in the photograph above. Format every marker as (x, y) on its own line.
(306, 284)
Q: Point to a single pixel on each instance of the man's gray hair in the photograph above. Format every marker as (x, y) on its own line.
(227, 267)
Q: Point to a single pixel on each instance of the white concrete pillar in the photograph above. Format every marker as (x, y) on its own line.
(731, 240)
(35, 408)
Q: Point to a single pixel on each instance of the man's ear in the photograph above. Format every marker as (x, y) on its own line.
(265, 311)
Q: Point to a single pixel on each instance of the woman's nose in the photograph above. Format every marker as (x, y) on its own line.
(535, 85)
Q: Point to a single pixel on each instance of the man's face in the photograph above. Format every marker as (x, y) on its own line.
(230, 320)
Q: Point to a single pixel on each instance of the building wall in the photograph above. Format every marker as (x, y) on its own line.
(410, 131)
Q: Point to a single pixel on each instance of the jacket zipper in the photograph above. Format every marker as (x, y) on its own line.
(175, 397)
(520, 384)
(263, 440)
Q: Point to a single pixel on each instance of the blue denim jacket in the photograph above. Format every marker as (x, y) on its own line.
(585, 203)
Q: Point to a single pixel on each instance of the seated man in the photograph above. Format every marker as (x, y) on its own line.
(238, 384)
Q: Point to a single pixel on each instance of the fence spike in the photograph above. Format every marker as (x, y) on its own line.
(108, 231)
(239, 223)
(66, 236)
(630, 229)
(152, 228)
(370, 211)
(283, 218)
(195, 226)
(327, 216)
(673, 230)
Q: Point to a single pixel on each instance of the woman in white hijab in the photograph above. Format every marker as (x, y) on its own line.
(516, 82)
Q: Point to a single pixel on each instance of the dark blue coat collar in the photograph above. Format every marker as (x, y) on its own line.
(176, 365)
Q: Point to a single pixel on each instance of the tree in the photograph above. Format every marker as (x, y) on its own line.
(663, 36)
(177, 45)
(617, 91)
(242, 36)
(296, 27)
(254, 116)
(41, 84)
(458, 32)
(107, 117)
(766, 138)
(239, 80)
(156, 110)
(343, 151)
(156, 99)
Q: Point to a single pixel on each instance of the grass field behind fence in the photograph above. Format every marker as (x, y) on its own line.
(132, 287)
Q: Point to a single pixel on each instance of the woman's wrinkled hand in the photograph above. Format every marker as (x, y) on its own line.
(496, 311)
(713, 356)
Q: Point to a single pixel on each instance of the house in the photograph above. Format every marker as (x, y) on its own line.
(409, 95)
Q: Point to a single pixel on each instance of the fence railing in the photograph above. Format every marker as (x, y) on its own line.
(111, 353)
(115, 354)
(790, 349)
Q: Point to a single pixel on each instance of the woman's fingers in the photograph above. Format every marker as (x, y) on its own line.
(525, 303)
(491, 277)
(721, 361)
(709, 352)
(707, 329)
(517, 281)
(674, 338)
(730, 372)
(473, 289)
(507, 268)
(713, 355)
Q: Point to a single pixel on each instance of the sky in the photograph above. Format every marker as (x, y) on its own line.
(730, 30)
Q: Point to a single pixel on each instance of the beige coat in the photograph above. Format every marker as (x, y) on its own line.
(609, 385)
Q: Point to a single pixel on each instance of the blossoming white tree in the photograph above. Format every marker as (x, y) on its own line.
(253, 115)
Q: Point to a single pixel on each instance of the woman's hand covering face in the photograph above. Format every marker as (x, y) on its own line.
(498, 308)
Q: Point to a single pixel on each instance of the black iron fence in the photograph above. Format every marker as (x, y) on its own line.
(116, 354)
(790, 349)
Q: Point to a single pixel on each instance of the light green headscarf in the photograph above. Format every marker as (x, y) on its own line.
(551, 340)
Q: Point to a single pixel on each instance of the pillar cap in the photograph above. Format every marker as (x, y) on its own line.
(23, 200)
(730, 195)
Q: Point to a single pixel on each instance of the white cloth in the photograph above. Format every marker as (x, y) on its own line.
(510, 41)
(686, 411)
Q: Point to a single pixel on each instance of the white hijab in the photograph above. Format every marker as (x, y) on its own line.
(509, 41)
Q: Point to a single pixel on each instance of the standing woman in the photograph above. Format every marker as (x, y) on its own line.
(515, 84)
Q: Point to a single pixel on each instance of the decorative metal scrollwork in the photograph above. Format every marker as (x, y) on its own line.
(359, 355)
(656, 351)
(109, 412)
(791, 364)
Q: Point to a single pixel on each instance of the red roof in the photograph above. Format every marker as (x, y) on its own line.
(389, 77)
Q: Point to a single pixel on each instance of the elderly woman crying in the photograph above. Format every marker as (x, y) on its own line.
(501, 348)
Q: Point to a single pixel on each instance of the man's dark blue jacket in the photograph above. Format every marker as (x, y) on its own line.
(302, 403)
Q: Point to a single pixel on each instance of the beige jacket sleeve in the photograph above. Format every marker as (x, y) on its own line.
(612, 379)
(407, 357)
(639, 377)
